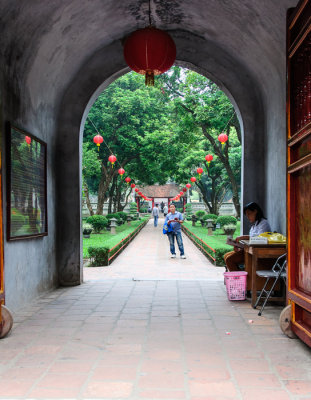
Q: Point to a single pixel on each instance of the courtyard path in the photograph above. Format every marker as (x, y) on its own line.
(151, 328)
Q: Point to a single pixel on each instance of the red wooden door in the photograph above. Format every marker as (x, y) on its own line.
(299, 167)
(1, 248)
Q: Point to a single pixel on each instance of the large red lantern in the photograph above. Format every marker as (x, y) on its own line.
(209, 158)
(112, 159)
(188, 185)
(136, 190)
(121, 171)
(149, 51)
(127, 179)
(200, 171)
(98, 140)
(222, 138)
(133, 185)
(193, 179)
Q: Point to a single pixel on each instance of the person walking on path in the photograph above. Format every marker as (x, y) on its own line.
(165, 210)
(175, 219)
(155, 213)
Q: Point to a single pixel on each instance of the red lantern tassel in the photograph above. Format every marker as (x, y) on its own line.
(149, 78)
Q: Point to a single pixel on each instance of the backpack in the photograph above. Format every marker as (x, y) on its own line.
(167, 228)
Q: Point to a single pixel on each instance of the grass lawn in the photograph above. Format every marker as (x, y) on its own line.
(217, 240)
(105, 239)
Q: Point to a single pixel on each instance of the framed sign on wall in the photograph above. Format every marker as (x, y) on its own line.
(26, 185)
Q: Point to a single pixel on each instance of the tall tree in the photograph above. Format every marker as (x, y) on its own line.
(198, 104)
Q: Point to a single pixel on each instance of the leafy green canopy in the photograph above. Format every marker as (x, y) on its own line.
(163, 133)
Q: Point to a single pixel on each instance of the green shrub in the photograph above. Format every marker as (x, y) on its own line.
(210, 216)
(225, 220)
(219, 255)
(99, 256)
(180, 209)
(122, 215)
(200, 213)
(143, 210)
(189, 207)
(98, 222)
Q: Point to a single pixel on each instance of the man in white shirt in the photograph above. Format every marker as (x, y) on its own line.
(155, 213)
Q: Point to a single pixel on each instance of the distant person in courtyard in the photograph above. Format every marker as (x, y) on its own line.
(260, 224)
(175, 219)
(165, 210)
(162, 206)
(155, 214)
(149, 209)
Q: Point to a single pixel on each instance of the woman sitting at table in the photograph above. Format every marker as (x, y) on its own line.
(259, 225)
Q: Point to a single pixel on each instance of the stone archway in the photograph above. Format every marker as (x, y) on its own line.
(85, 88)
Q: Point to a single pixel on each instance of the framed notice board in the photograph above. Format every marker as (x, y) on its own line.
(26, 185)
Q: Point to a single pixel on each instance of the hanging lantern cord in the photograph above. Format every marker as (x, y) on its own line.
(228, 122)
(149, 12)
(103, 140)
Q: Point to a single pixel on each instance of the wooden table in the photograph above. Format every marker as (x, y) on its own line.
(253, 253)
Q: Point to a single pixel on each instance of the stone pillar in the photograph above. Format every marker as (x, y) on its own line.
(210, 226)
(113, 224)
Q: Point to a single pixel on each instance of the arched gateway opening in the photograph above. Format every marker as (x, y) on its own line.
(218, 66)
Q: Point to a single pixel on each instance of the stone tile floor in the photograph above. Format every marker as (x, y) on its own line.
(149, 327)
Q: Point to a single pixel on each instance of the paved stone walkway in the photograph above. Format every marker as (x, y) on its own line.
(149, 327)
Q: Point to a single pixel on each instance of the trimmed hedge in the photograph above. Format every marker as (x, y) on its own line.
(226, 220)
(210, 216)
(200, 214)
(99, 256)
(98, 222)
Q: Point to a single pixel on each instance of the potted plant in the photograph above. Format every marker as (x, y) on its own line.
(87, 230)
(229, 229)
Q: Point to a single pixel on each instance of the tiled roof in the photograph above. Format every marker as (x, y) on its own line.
(169, 190)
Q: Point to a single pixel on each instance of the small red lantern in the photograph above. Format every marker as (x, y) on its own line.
(127, 179)
(98, 140)
(136, 190)
(188, 185)
(184, 190)
(181, 193)
(193, 179)
(112, 159)
(209, 158)
(133, 185)
(200, 171)
(140, 193)
(149, 51)
(28, 140)
(222, 138)
(121, 171)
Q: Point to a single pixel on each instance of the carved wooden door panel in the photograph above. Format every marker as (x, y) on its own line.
(299, 167)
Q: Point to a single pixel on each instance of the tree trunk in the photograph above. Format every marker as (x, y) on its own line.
(224, 158)
(87, 198)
